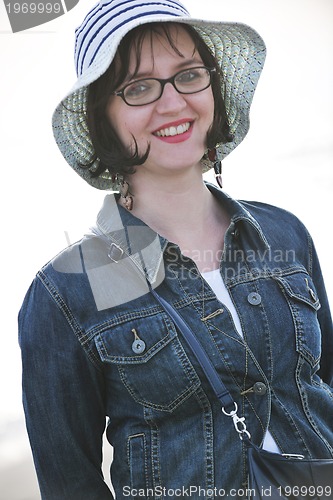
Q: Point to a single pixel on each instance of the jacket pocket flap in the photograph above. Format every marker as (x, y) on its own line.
(135, 341)
(300, 287)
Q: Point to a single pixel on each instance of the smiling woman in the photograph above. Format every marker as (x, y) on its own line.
(160, 98)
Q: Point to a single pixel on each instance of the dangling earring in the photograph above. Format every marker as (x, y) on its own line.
(215, 157)
(126, 197)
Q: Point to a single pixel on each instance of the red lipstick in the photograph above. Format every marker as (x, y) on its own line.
(169, 133)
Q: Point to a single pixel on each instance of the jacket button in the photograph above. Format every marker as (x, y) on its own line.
(254, 299)
(138, 346)
(260, 389)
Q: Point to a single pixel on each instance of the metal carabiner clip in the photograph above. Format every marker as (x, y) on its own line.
(239, 422)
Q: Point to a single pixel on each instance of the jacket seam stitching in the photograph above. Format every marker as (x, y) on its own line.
(68, 315)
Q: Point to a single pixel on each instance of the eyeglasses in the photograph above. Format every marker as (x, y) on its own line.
(148, 90)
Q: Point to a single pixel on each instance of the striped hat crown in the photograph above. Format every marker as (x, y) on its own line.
(239, 50)
(110, 17)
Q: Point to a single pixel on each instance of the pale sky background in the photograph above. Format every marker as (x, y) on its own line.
(285, 160)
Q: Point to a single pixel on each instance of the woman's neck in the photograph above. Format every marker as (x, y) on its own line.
(183, 210)
(172, 203)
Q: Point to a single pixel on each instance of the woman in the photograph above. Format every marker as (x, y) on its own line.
(159, 99)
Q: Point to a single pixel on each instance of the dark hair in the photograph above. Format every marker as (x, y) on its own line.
(112, 154)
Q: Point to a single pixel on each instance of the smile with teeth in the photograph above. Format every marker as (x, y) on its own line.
(172, 131)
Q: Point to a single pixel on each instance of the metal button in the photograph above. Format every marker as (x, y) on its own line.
(254, 298)
(260, 388)
(115, 253)
(138, 346)
(235, 233)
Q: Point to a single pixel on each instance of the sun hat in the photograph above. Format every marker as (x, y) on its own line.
(239, 50)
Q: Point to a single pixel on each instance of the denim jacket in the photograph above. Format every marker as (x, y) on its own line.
(96, 344)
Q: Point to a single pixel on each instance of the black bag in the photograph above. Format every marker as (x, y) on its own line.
(271, 475)
(288, 477)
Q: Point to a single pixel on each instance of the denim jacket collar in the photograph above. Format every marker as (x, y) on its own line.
(128, 236)
(238, 212)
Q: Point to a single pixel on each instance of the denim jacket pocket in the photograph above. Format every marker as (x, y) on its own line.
(304, 303)
(150, 359)
(137, 456)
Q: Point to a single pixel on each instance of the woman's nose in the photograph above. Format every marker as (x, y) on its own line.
(171, 101)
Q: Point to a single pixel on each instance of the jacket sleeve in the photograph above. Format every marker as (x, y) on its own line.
(63, 398)
(325, 320)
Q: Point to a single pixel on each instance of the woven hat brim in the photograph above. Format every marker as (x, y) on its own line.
(240, 52)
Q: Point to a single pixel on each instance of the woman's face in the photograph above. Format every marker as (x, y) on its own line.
(190, 114)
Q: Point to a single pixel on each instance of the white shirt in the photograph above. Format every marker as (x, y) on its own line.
(215, 281)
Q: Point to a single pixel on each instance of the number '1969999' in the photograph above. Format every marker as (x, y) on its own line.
(34, 8)
(305, 491)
